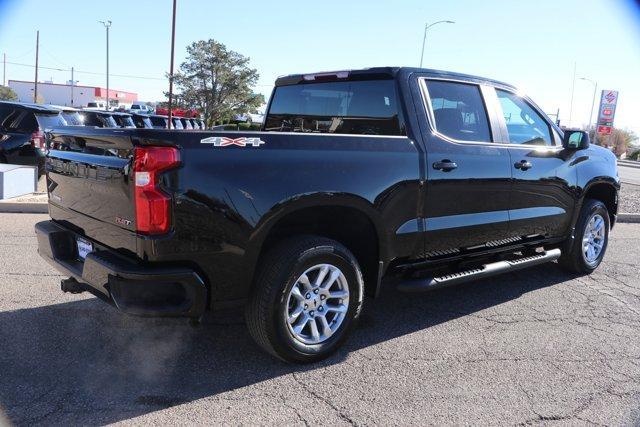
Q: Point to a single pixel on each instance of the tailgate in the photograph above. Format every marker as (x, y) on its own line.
(89, 183)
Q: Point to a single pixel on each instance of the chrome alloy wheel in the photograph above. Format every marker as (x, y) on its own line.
(593, 239)
(317, 304)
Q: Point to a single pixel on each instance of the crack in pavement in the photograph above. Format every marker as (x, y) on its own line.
(323, 399)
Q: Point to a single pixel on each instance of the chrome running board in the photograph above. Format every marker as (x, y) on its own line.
(487, 270)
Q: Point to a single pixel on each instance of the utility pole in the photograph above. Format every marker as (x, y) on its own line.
(573, 87)
(595, 127)
(4, 69)
(424, 37)
(107, 24)
(173, 40)
(72, 83)
(35, 82)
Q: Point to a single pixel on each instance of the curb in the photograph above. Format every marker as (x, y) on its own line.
(629, 218)
(15, 207)
(630, 164)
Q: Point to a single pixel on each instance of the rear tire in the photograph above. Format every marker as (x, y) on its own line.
(587, 250)
(281, 295)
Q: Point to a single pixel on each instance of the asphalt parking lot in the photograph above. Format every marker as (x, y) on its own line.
(536, 346)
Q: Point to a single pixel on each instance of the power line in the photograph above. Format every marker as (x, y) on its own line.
(88, 72)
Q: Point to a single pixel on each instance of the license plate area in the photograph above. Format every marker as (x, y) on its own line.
(84, 247)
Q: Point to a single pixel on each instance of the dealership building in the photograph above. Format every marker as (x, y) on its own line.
(70, 95)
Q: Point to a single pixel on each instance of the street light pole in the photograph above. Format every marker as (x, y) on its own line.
(107, 24)
(424, 37)
(593, 102)
(173, 43)
(35, 82)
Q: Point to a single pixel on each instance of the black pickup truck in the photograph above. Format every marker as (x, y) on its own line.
(432, 177)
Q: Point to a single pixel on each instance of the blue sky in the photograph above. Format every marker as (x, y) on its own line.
(530, 44)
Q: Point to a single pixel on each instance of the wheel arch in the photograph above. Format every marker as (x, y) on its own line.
(604, 190)
(348, 219)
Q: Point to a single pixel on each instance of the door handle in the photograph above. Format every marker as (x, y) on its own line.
(445, 165)
(523, 165)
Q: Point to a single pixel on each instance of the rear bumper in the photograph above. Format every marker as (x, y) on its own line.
(128, 285)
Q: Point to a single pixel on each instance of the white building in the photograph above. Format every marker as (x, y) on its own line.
(68, 95)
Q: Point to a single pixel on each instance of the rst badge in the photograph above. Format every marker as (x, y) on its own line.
(123, 221)
(223, 141)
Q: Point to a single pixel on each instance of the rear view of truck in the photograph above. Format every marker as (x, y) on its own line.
(110, 200)
(294, 223)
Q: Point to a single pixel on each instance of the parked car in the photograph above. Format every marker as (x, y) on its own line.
(158, 121)
(177, 123)
(22, 129)
(186, 123)
(142, 121)
(195, 124)
(96, 105)
(98, 118)
(142, 108)
(177, 112)
(71, 115)
(431, 177)
(253, 117)
(123, 120)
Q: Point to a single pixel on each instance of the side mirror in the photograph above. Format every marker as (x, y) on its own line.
(575, 139)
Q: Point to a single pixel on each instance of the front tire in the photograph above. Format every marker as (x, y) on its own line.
(587, 250)
(307, 298)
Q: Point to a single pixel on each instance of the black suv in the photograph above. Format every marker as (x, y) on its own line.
(142, 121)
(101, 119)
(22, 139)
(158, 121)
(123, 120)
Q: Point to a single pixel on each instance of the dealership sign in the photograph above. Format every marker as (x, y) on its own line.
(607, 111)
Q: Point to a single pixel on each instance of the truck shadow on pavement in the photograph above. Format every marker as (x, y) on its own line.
(84, 363)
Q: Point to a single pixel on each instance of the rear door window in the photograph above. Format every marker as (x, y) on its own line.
(368, 107)
(458, 110)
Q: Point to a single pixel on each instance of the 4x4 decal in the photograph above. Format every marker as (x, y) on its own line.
(223, 141)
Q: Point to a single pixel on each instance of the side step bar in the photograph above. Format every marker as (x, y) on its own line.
(487, 270)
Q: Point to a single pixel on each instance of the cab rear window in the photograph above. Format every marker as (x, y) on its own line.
(368, 107)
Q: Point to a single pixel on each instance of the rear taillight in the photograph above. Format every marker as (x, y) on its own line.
(153, 205)
(37, 140)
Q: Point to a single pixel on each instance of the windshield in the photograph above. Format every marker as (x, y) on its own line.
(47, 121)
(366, 107)
(73, 118)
